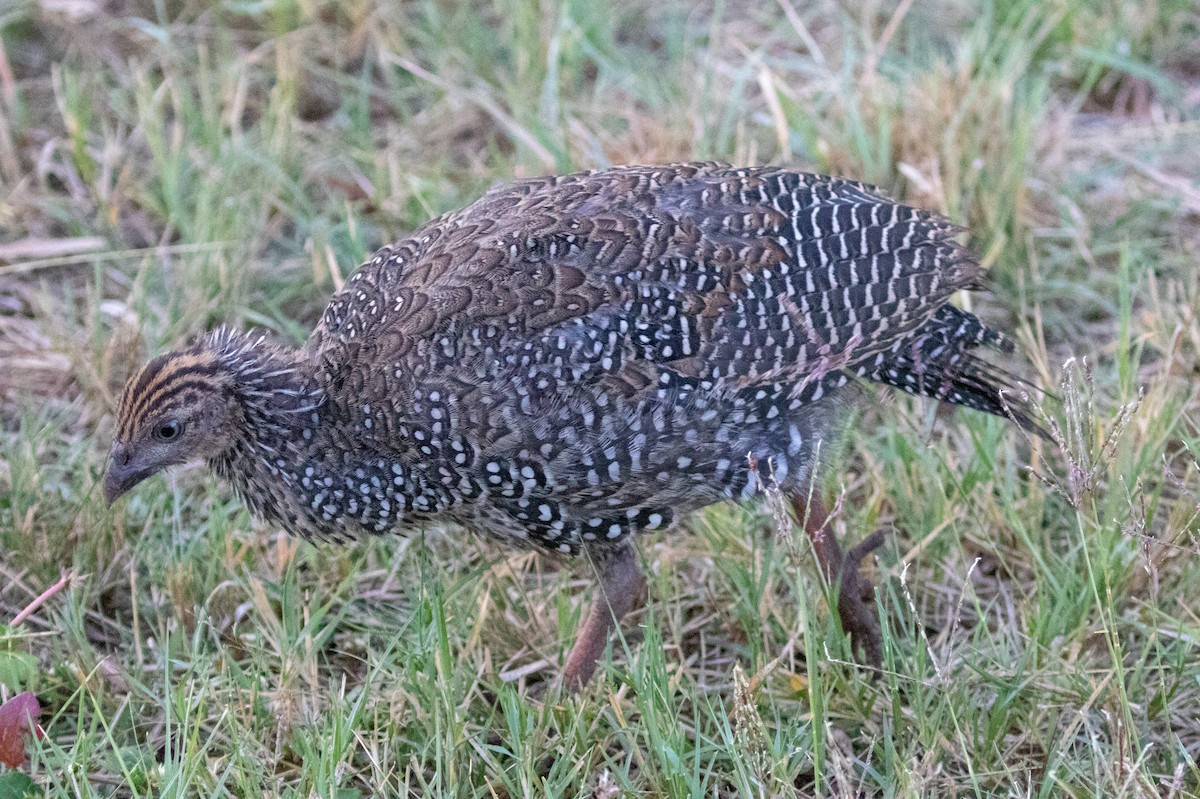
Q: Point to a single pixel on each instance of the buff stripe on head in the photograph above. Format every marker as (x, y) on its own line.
(168, 381)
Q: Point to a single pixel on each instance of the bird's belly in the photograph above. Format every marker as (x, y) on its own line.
(615, 467)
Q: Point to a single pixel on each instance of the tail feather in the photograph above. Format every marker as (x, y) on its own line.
(936, 362)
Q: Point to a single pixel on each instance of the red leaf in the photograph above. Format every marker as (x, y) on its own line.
(18, 717)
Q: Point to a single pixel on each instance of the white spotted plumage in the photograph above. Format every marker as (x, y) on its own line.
(573, 359)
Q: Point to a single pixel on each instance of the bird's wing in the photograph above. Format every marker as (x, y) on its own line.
(733, 276)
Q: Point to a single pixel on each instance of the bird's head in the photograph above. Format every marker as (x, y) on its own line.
(179, 407)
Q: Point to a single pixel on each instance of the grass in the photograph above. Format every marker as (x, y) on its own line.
(169, 166)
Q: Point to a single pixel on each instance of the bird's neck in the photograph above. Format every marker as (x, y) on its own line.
(279, 398)
(296, 463)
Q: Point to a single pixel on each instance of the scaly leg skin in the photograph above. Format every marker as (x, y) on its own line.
(856, 595)
(620, 583)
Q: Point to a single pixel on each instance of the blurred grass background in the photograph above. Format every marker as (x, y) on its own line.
(168, 166)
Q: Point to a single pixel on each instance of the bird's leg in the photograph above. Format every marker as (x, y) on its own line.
(856, 595)
(620, 583)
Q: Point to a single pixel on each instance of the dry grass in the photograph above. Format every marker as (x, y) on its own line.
(172, 165)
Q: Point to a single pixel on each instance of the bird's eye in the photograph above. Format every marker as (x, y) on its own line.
(168, 431)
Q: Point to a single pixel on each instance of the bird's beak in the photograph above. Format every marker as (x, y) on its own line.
(121, 474)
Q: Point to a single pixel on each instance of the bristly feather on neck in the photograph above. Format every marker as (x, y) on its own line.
(264, 370)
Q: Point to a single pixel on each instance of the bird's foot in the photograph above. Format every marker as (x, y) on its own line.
(856, 602)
